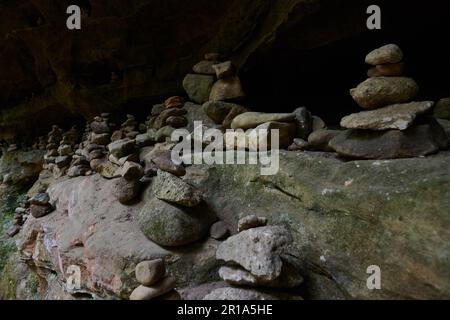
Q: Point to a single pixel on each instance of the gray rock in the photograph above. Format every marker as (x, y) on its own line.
(257, 250)
(125, 191)
(198, 87)
(320, 139)
(227, 89)
(397, 116)
(442, 109)
(132, 171)
(63, 161)
(304, 122)
(250, 120)
(383, 91)
(147, 293)
(224, 70)
(415, 141)
(122, 148)
(219, 230)
(172, 225)
(251, 221)
(390, 53)
(100, 138)
(149, 272)
(298, 145)
(76, 171)
(205, 67)
(230, 293)
(170, 188)
(145, 139)
(164, 162)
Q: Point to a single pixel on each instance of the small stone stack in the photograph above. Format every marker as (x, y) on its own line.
(202, 85)
(128, 186)
(154, 282)
(40, 205)
(53, 139)
(177, 215)
(20, 216)
(394, 127)
(66, 151)
(260, 258)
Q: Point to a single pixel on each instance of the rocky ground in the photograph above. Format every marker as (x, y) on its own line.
(110, 200)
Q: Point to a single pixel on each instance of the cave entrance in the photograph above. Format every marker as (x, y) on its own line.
(320, 78)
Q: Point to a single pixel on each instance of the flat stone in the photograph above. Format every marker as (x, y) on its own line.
(132, 171)
(161, 120)
(145, 139)
(164, 162)
(226, 89)
(383, 91)
(397, 116)
(105, 168)
(298, 145)
(100, 138)
(390, 53)
(147, 293)
(415, 141)
(205, 67)
(40, 199)
(76, 171)
(250, 120)
(38, 211)
(170, 188)
(224, 70)
(99, 127)
(442, 109)
(230, 293)
(218, 230)
(386, 70)
(65, 150)
(172, 225)
(176, 122)
(251, 221)
(257, 250)
(198, 87)
(320, 139)
(121, 148)
(149, 272)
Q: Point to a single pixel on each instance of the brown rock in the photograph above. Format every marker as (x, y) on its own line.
(174, 102)
(386, 70)
(125, 190)
(224, 70)
(227, 89)
(251, 221)
(205, 67)
(150, 272)
(387, 54)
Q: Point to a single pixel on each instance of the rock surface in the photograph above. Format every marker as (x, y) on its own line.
(397, 116)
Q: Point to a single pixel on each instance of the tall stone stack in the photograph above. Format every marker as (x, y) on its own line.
(53, 139)
(213, 80)
(394, 126)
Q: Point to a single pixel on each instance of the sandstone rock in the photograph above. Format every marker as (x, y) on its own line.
(176, 122)
(251, 221)
(224, 70)
(257, 250)
(298, 145)
(240, 277)
(250, 120)
(219, 230)
(125, 190)
(226, 89)
(164, 162)
(230, 293)
(260, 138)
(171, 225)
(121, 148)
(397, 116)
(147, 293)
(386, 70)
(174, 102)
(442, 109)
(149, 272)
(320, 139)
(415, 141)
(382, 91)
(132, 171)
(173, 189)
(304, 122)
(217, 110)
(198, 87)
(205, 67)
(390, 53)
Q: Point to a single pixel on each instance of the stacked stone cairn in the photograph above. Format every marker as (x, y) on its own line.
(154, 282)
(394, 126)
(40, 205)
(20, 216)
(258, 259)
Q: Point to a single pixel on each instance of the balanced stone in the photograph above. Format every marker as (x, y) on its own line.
(150, 272)
(198, 87)
(386, 70)
(38, 211)
(250, 120)
(173, 189)
(174, 102)
(176, 121)
(226, 89)
(100, 138)
(397, 116)
(298, 145)
(40, 199)
(125, 190)
(217, 110)
(380, 92)
(160, 121)
(303, 119)
(147, 293)
(205, 67)
(132, 171)
(390, 53)
(173, 225)
(164, 162)
(224, 69)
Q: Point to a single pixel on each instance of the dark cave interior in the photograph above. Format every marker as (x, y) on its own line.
(320, 78)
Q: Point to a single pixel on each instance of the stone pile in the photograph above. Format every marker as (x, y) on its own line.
(128, 186)
(20, 216)
(394, 126)
(177, 215)
(259, 258)
(213, 80)
(40, 205)
(153, 279)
